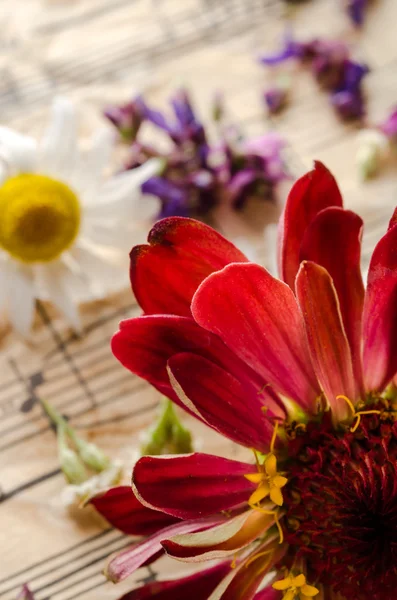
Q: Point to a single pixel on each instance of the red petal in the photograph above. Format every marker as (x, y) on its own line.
(144, 345)
(380, 314)
(181, 253)
(327, 339)
(203, 583)
(311, 193)
(123, 510)
(125, 563)
(221, 400)
(258, 316)
(333, 240)
(220, 541)
(193, 485)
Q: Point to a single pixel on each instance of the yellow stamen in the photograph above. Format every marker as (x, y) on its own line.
(295, 587)
(358, 414)
(253, 558)
(273, 440)
(39, 217)
(276, 519)
(234, 561)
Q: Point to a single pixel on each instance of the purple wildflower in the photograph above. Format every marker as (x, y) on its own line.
(127, 118)
(289, 49)
(332, 67)
(276, 97)
(356, 11)
(389, 126)
(348, 99)
(198, 175)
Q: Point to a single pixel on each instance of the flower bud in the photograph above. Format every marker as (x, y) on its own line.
(71, 464)
(167, 435)
(372, 151)
(91, 455)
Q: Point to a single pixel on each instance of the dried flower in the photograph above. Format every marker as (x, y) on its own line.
(356, 10)
(277, 96)
(196, 175)
(127, 118)
(303, 370)
(332, 67)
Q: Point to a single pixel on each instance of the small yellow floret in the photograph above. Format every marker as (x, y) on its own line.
(269, 482)
(39, 217)
(295, 588)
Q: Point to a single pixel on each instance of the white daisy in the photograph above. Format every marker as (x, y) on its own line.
(65, 231)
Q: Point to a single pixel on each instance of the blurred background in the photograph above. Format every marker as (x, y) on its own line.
(100, 53)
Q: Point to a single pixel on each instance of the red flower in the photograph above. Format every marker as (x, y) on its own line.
(301, 370)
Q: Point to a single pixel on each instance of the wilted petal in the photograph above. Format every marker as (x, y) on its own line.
(328, 344)
(203, 583)
(311, 193)
(180, 254)
(221, 400)
(380, 314)
(258, 316)
(123, 510)
(220, 541)
(193, 485)
(333, 240)
(125, 563)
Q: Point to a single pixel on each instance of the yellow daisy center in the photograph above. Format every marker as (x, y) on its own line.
(39, 217)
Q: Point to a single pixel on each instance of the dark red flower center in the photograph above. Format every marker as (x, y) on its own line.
(341, 506)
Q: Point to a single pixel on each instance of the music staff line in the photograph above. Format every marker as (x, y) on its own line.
(76, 399)
(62, 570)
(39, 563)
(139, 386)
(57, 378)
(123, 57)
(54, 358)
(78, 558)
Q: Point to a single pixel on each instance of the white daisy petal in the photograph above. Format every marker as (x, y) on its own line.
(106, 272)
(58, 149)
(115, 233)
(88, 175)
(17, 153)
(21, 297)
(56, 283)
(121, 195)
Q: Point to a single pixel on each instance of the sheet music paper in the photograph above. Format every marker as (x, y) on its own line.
(99, 51)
